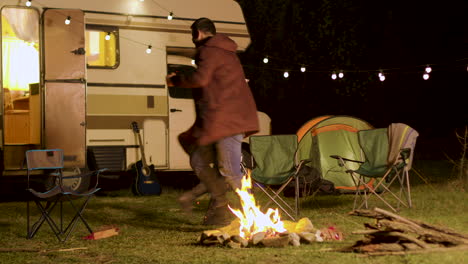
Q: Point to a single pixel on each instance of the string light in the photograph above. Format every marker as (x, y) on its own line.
(193, 62)
(428, 69)
(265, 60)
(148, 50)
(286, 74)
(381, 76)
(108, 36)
(28, 3)
(426, 76)
(170, 16)
(333, 76)
(68, 20)
(303, 69)
(341, 74)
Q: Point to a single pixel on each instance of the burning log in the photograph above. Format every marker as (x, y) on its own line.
(395, 234)
(255, 228)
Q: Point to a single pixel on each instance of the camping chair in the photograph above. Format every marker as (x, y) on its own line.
(51, 160)
(388, 158)
(275, 166)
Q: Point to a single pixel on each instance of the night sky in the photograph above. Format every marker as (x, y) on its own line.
(361, 38)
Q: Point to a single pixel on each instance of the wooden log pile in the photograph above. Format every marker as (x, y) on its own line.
(393, 235)
(302, 232)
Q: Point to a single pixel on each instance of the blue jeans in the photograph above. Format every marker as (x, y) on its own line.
(218, 164)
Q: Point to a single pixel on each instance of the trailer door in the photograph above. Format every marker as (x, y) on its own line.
(65, 84)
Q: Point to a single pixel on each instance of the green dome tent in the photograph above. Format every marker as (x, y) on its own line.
(331, 135)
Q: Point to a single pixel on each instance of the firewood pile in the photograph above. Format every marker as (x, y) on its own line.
(302, 232)
(393, 235)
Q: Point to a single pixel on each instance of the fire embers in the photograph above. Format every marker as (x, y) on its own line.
(295, 234)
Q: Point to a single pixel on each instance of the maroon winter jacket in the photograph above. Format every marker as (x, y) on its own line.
(226, 106)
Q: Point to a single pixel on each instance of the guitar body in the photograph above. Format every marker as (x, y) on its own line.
(146, 182)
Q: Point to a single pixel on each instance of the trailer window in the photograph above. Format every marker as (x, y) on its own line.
(102, 47)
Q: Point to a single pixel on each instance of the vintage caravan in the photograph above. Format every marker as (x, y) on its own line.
(77, 73)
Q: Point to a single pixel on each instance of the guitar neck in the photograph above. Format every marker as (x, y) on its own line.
(142, 150)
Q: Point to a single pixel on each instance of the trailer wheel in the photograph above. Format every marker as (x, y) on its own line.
(76, 184)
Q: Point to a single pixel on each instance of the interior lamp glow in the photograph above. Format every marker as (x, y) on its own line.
(28, 3)
(286, 74)
(68, 20)
(148, 50)
(170, 16)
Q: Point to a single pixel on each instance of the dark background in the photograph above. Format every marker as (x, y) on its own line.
(360, 38)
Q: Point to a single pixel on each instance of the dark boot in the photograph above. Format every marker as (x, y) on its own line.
(187, 199)
(218, 216)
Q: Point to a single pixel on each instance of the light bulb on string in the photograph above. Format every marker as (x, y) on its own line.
(341, 74)
(148, 50)
(428, 69)
(286, 74)
(426, 76)
(108, 36)
(68, 20)
(28, 3)
(303, 69)
(193, 62)
(333, 76)
(381, 76)
(170, 16)
(265, 60)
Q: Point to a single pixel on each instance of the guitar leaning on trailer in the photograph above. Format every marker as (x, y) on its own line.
(146, 182)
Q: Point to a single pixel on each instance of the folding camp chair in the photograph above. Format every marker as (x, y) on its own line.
(51, 161)
(275, 165)
(388, 158)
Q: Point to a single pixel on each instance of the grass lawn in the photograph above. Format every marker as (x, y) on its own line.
(154, 230)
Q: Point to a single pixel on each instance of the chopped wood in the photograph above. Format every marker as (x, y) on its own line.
(394, 234)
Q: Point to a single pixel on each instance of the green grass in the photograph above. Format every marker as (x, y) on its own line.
(154, 230)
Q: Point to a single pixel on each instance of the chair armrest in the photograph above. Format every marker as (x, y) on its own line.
(345, 159)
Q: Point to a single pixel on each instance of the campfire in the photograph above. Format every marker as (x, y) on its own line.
(255, 228)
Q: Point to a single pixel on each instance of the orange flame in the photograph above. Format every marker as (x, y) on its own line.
(252, 220)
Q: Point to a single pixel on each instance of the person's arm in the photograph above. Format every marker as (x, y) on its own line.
(207, 63)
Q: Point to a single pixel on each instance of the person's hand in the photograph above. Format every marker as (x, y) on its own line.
(168, 79)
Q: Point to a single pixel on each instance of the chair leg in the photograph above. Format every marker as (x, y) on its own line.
(273, 199)
(78, 215)
(45, 216)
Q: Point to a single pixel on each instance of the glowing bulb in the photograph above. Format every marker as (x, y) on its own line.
(148, 50)
(193, 62)
(382, 77)
(108, 36)
(265, 60)
(303, 69)
(68, 20)
(428, 69)
(170, 16)
(426, 76)
(333, 76)
(28, 3)
(286, 74)
(341, 74)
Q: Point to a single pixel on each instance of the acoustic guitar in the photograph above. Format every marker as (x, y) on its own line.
(145, 182)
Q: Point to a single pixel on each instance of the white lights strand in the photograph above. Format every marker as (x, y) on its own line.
(28, 3)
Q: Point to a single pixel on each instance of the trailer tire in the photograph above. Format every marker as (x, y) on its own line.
(76, 184)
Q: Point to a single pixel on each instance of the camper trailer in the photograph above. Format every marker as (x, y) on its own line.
(76, 74)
